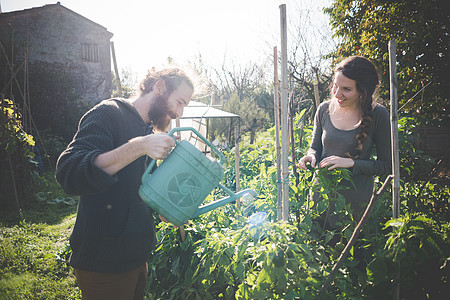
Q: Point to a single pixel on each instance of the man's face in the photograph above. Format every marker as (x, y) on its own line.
(166, 107)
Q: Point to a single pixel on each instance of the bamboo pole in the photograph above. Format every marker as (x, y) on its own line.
(13, 178)
(116, 70)
(276, 107)
(237, 162)
(395, 147)
(12, 62)
(294, 159)
(10, 65)
(182, 233)
(394, 129)
(284, 115)
(316, 95)
(25, 95)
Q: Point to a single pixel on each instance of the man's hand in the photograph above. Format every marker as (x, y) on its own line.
(157, 146)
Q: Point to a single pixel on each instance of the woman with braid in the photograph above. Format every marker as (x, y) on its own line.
(348, 127)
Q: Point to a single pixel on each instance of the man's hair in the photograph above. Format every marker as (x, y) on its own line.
(173, 77)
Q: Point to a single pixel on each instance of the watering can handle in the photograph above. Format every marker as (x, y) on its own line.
(221, 157)
(152, 163)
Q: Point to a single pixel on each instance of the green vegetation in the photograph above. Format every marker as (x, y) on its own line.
(245, 253)
(228, 255)
(34, 247)
(420, 30)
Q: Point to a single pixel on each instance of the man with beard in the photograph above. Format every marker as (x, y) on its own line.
(114, 232)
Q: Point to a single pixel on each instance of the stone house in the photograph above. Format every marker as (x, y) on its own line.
(54, 58)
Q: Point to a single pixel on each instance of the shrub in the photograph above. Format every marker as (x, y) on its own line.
(16, 156)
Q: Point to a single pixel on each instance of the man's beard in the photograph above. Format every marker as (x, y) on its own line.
(159, 113)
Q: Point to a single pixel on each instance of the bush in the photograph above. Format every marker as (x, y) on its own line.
(228, 255)
(16, 157)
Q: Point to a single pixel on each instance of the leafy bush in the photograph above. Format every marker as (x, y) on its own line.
(16, 156)
(227, 255)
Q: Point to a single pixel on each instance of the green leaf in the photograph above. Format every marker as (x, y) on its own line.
(263, 277)
(306, 250)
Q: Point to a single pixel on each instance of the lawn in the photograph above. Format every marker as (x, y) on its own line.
(34, 248)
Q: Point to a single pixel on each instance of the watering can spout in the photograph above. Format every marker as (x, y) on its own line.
(215, 204)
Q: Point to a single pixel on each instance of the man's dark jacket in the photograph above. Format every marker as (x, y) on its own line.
(114, 230)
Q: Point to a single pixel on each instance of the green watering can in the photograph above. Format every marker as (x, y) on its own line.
(183, 180)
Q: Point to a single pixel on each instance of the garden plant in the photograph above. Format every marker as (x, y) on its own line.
(244, 252)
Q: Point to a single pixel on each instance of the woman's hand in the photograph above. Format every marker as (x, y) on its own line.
(334, 162)
(307, 159)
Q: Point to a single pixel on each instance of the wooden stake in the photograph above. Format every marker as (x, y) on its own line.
(182, 233)
(13, 178)
(284, 114)
(316, 95)
(116, 70)
(276, 107)
(294, 160)
(395, 147)
(394, 130)
(236, 166)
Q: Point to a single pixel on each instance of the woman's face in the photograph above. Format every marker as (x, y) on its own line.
(345, 92)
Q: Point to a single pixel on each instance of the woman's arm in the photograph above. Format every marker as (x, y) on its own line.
(382, 141)
(315, 149)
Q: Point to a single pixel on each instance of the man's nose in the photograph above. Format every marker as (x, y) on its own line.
(179, 111)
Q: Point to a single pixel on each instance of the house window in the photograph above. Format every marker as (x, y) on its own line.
(89, 52)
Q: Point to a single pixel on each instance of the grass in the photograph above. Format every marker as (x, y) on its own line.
(34, 246)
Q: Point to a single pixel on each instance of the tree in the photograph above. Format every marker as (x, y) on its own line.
(242, 90)
(242, 80)
(128, 82)
(421, 31)
(309, 42)
(253, 118)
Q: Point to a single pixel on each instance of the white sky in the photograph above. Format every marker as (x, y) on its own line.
(146, 32)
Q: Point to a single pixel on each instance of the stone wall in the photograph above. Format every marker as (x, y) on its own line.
(60, 46)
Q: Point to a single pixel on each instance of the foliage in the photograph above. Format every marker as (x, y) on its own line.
(245, 253)
(420, 29)
(34, 248)
(416, 247)
(16, 155)
(225, 255)
(253, 118)
(31, 266)
(128, 82)
(50, 146)
(423, 191)
(254, 114)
